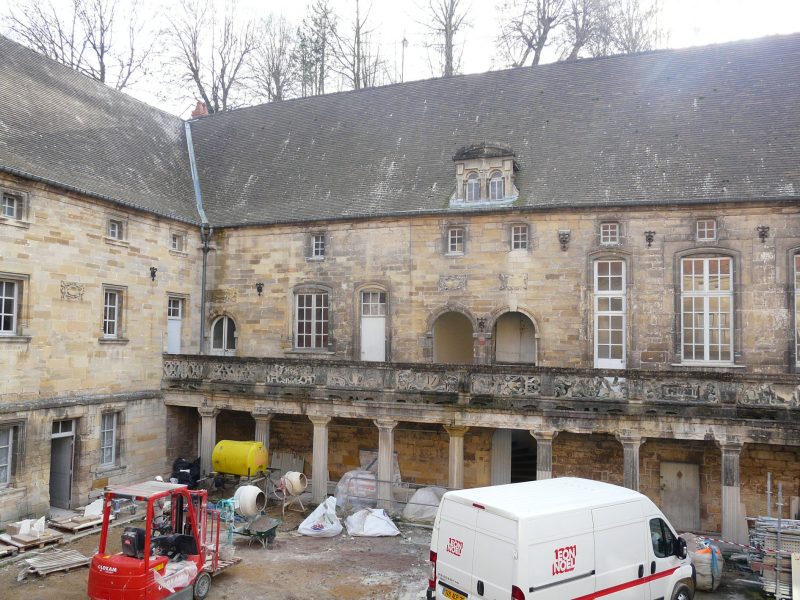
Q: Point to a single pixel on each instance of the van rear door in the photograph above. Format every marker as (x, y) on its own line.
(455, 549)
(620, 555)
(495, 561)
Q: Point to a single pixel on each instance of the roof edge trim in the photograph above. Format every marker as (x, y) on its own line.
(198, 195)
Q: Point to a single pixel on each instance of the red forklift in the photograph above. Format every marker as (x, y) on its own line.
(173, 556)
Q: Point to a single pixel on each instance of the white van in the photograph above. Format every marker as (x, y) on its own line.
(556, 539)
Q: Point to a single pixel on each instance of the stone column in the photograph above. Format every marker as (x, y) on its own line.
(385, 461)
(630, 459)
(455, 471)
(319, 461)
(262, 428)
(544, 453)
(731, 498)
(208, 436)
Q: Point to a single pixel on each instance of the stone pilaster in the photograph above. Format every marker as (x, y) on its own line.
(731, 493)
(455, 470)
(319, 461)
(630, 459)
(262, 428)
(208, 436)
(544, 453)
(385, 461)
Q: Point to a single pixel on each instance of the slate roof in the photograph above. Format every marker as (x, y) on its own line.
(696, 125)
(67, 129)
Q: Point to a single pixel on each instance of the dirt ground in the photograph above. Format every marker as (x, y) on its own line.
(296, 567)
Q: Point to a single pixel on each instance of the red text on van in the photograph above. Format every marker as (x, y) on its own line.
(455, 546)
(565, 560)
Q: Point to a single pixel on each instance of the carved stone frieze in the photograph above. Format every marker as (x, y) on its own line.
(452, 283)
(355, 378)
(222, 295)
(239, 373)
(290, 375)
(505, 385)
(72, 290)
(614, 388)
(686, 391)
(416, 381)
(513, 282)
(764, 394)
(183, 369)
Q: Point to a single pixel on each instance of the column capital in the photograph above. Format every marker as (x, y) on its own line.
(629, 439)
(544, 435)
(208, 411)
(730, 446)
(385, 423)
(456, 430)
(319, 420)
(263, 417)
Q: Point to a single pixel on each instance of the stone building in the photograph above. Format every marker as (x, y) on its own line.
(585, 268)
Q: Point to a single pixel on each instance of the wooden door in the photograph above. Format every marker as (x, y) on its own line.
(680, 495)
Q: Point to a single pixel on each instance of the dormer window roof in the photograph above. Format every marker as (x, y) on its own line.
(484, 175)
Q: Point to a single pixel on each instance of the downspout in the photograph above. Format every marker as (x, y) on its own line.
(205, 232)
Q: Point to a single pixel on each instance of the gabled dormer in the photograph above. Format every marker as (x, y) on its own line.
(484, 175)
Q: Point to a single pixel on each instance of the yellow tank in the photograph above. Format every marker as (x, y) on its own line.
(239, 458)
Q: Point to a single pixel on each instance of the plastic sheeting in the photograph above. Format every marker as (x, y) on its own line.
(371, 522)
(323, 522)
(422, 506)
(357, 489)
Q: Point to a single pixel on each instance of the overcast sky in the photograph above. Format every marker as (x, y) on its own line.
(687, 23)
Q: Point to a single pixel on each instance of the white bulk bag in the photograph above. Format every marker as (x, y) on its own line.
(323, 522)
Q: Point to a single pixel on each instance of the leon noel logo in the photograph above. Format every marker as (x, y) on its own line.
(565, 559)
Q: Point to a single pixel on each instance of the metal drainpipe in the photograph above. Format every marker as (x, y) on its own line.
(205, 235)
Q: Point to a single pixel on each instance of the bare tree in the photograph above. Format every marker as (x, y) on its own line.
(85, 35)
(211, 52)
(354, 57)
(526, 34)
(580, 24)
(445, 19)
(274, 66)
(312, 48)
(634, 26)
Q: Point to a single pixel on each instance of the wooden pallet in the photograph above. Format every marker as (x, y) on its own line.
(72, 527)
(222, 565)
(54, 538)
(55, 560)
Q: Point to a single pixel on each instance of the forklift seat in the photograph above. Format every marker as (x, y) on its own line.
(133, 542)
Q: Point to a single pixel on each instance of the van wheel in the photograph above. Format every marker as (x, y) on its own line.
(202, 585)
(682, 592)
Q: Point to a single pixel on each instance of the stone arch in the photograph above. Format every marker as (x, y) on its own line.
(515, 337)
(451, 331)
(223, 333)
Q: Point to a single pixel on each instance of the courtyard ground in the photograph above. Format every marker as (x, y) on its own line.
(296, 567)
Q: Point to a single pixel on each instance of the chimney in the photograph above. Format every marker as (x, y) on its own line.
(200, 110)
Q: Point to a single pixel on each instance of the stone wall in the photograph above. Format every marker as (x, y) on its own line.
(596, 456)
(182, 433)
(755, 462)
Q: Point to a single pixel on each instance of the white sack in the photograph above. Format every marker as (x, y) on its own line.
(707, 560)
(95, 509)
(357, 489)
(38, 527)
(422, 506)
(371, 522)
(323, 522)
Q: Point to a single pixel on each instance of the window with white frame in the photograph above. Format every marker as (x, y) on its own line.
(11, 207)
(115, 229)
(473, 188)
(174, 308)
(610, 314)
(373, 304)
(112, 312)
(609, 233)
(797, 308)
(497, 190)
(177, 241)
(10, 292)
(318, 245)
(455, 240)
(312, 320)
(519, 237)
(6, 454)
(707, 309)
(706, 230)
(108, 439)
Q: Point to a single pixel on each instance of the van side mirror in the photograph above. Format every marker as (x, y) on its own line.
(680, 548)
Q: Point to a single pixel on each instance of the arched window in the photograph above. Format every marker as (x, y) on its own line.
(497, 186)
(223, 336)
(473, 188)
(707, 309)
(796, 261)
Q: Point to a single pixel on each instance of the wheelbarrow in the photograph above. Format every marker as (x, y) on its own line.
(261, 528)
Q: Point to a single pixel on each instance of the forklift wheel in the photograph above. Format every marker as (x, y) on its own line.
(202, 585)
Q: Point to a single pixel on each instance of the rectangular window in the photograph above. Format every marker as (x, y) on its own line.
(706, 230)
(6, 454)
(9, 306)
(177, 242)
(609, 233)
(11, 207)
(797, 308)
(373, 304)
(108, 439)
(609, 309)
(455, 240)
(174, 308)
(318, 245)
(115, 229)
(519, 237)
(707, 309)
(312, 320)
(112, 307)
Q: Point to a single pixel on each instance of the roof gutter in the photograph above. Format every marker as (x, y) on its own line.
(205, 232)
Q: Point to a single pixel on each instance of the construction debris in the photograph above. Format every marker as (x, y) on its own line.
(51, 561)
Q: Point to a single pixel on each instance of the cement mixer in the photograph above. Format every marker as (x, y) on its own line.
(231, 457)
(249, 502)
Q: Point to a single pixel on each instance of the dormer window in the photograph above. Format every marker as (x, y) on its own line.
(473, 191)
(496, 186)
